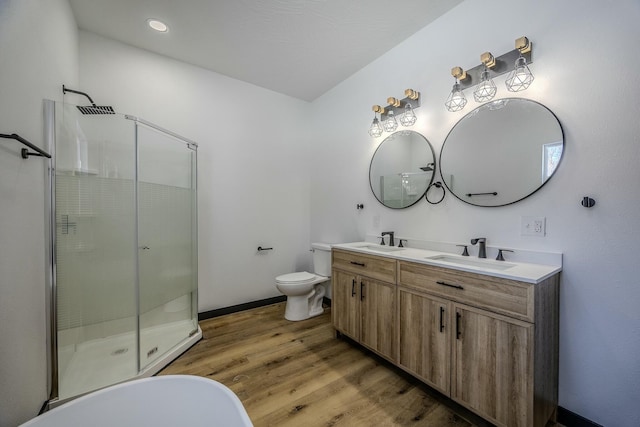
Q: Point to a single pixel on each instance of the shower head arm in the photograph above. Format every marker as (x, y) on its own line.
(66, 89)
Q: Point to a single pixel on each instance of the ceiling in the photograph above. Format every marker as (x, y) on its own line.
(301, 48)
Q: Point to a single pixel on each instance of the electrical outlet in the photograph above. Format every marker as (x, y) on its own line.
(533, 226)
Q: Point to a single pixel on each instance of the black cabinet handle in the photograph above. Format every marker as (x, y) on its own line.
(449, 285)
(458, 333)
(353, 288)
(361, 291)
(441, 319)
(361, 264)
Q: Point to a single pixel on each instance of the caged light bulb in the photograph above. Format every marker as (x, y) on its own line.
(375, 130)
(486, 89)
(456, 100)
(408, 118)
(391, 124)
(521, 77)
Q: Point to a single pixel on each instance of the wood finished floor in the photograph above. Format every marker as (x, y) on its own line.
(297, 374)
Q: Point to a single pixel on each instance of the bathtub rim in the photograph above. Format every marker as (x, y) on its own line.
(237, 403)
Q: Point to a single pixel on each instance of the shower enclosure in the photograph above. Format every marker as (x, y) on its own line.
(123, 283)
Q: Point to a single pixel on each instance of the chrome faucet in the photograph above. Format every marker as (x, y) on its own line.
(390, 233)
(482, 248)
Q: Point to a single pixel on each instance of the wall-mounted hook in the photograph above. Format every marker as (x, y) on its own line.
(359, 206)
(587, 202)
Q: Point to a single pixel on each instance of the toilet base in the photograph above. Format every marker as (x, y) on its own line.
(305, 306)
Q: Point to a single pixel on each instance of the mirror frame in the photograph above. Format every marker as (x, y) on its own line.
(433, 155)
(475, 111)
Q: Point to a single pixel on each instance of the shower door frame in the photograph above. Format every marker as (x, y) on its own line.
(51, 314)
(191, 145)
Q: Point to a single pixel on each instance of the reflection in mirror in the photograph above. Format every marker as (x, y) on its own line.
(501, 152)
(402, 169)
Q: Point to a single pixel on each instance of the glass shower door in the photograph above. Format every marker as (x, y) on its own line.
(95, 268)
(167, 245)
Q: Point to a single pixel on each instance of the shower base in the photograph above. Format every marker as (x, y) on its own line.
(101, 362)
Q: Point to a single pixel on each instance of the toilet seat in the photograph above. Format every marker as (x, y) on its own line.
(299, 277)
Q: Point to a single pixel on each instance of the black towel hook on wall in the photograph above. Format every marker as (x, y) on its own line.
(587, 202)
(24, 152)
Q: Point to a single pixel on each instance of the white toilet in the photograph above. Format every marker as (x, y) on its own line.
(305, 290)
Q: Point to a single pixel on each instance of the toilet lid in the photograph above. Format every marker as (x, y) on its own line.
(300, 277)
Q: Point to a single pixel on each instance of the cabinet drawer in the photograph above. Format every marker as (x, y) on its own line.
(379, 268)
(503, 296)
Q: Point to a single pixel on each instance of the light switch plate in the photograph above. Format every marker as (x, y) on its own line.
(533, 226)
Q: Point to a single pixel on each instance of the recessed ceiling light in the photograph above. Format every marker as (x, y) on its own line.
(158, 25)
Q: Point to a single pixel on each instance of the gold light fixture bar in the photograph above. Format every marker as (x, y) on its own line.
(498, 66)
(377, 109)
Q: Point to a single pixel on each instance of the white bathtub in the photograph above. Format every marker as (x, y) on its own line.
(172, 400)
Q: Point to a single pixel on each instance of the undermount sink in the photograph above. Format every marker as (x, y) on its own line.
(482, 263)
(382, 248)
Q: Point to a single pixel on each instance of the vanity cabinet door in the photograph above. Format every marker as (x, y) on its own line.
(346, 303)
(378, 313)
(493, 366)
(425, 338)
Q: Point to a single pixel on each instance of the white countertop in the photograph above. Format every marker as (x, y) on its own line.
(521, 271)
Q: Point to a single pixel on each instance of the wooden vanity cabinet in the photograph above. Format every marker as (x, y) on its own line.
(493, 366)
(424, 338)
(364, 308)
(503, 336)
(345, 304)
(491, 344)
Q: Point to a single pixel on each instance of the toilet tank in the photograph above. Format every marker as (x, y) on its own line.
(321, 259)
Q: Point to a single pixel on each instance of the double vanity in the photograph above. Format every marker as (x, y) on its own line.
(480, 331)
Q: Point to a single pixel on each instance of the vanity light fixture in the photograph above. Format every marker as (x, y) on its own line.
(521, 77)
(481, 76)
(401, 110)
(486, 89)
(159, 26)
(376, 130)
(390, 124)
(408, 118)
(456, 100)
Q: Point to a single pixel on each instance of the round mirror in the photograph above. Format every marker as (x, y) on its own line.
(501, 152)
(401, 169)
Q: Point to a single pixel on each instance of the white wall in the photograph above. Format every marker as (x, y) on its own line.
(586, 73)
(38, 47)
(252, 162)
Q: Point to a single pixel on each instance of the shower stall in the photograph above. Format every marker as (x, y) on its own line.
(123, 279)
